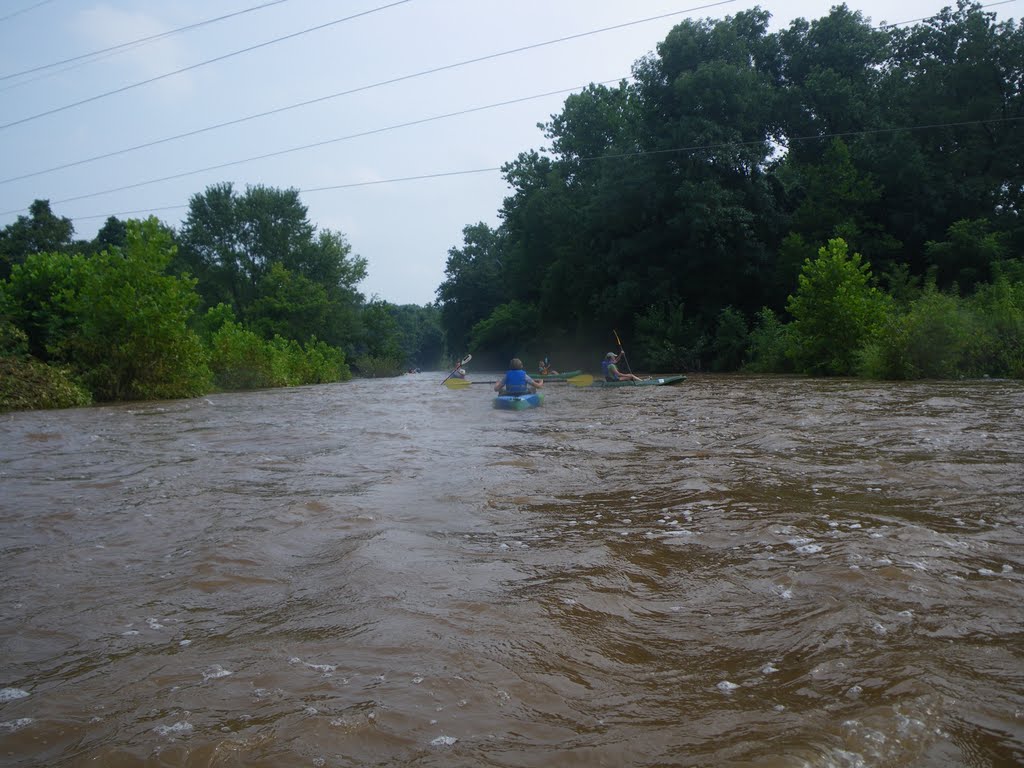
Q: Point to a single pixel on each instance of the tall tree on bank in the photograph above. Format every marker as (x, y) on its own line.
(258, 253)
(955, 79)
(39, 232)
(473, 285)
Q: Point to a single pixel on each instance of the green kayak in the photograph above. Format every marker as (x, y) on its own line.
(555, 376)
(658, 381)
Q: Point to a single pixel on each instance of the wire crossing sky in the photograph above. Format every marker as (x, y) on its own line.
(139, 41)
(197, 65)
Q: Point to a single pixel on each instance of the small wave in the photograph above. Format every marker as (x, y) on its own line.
(215, 672)
(178, 729)
(11, 694)
(17, 725)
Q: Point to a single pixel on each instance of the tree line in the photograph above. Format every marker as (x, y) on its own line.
(247, 294)
(828, 199)
(832, 198)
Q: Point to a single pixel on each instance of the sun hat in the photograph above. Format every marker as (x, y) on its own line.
(610, 356)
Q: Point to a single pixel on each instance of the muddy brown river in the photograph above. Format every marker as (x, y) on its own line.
(735, 571)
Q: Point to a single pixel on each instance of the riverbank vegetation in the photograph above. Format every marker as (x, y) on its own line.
(248, 294)
(832, 198)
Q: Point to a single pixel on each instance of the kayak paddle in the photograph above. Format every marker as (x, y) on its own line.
(461, 363)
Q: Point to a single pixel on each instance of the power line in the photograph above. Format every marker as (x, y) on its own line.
(129, 87)
(140, 40)
(935, 16)
(365, 133)
(339, 94)
(24, 10)
(325, 142)
(619, 156)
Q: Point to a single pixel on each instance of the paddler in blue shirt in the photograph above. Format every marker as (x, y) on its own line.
(516, 381)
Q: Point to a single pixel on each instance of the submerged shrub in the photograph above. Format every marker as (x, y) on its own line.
(374, 366)
(835, 311)
(28, 384)
(731, 341)
(770, 344)
(242, 360)
(927, 341)
(666, 340)
(996, 343)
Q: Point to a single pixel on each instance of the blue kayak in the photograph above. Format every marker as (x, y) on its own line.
(519, 402)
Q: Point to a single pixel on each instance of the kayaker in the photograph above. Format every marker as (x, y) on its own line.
(460, 373)
(516, 381)
(545, 368)
(610, 369)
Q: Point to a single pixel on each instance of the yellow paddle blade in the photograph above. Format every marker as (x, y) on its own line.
(583, 380)
(457, 384)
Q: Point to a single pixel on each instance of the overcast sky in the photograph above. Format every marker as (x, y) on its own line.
(403, 228)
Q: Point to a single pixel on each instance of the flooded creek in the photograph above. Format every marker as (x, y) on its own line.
(737, 571)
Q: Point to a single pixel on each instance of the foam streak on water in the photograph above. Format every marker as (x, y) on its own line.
(741, 571)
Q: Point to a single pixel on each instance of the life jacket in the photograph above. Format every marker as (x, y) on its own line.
(515, 383)
(604, 369)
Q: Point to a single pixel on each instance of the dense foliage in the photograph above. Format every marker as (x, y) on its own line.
(831, 198)
(249, 295)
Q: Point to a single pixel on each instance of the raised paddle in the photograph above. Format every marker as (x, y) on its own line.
(461, 363)
(622, 350)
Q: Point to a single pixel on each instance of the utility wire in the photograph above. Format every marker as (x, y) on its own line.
(139, 41)
(359, 89)
(129, 87)
(935, 16)
(618, 156)
(323, 143)
(24, 10)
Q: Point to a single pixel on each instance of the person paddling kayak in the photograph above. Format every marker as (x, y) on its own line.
(516, 381)
(611, 372)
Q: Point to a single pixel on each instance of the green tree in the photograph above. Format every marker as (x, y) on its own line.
(996, 345)
(771, 344)
(132, 339)
(928, 340)
(40, 295)
(667, 340)
(473, 285)
(511, 327)
(421, 335)
(835, 311)
(731, 340)
(231, 242)
(288, 304)
(39, 232)
(382, 332)
(968, 255)
(838, 200)
(959, 72)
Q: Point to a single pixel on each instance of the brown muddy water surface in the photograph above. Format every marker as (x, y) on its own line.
(734, 571)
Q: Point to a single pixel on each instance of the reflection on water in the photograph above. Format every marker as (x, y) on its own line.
(734, 571)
